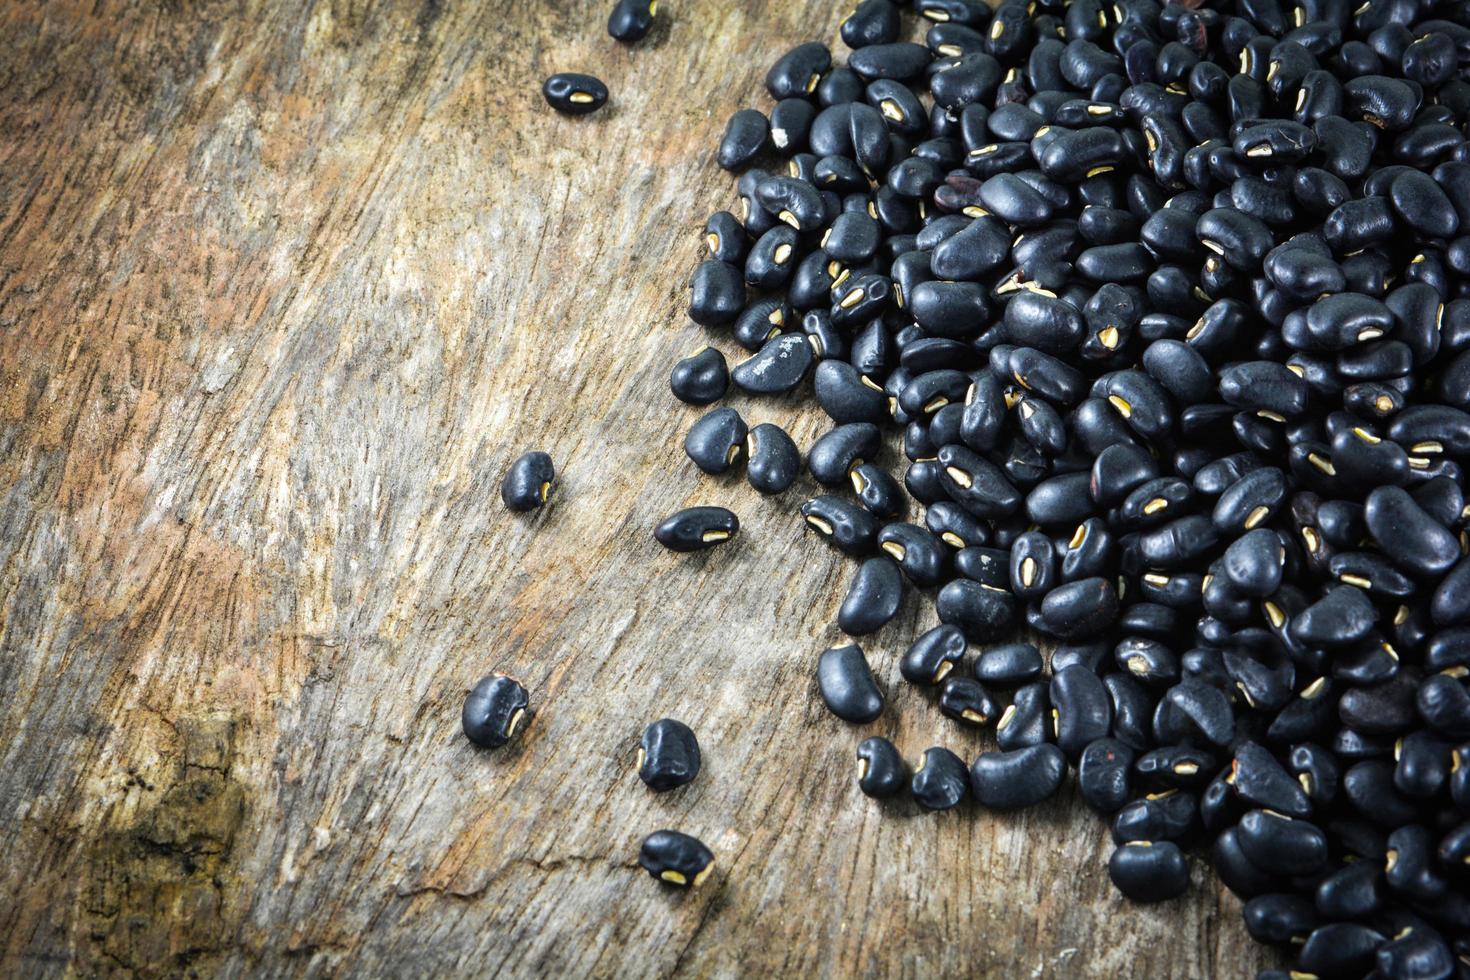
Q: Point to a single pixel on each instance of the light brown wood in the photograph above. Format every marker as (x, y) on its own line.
(283, 288)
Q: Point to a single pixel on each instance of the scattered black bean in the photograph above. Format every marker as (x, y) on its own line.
(697, 528)
(668, 756)
(941, 781)
(881, 769)
(631, 20)
(772, 461)
(847, 684)
(1022, 777)
(700, 378)
(528, 482)
(573, 93)
(494, 710)
(675, 858)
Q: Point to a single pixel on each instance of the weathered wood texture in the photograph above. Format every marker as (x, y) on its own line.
(283, 288)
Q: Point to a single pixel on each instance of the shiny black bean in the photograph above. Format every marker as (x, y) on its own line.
(964, 699)
(700, 378)
(668, 755)
(833, 455)
(747, 133)
(1018, 778)
(871, 22)
(976, 484)
(849, 527)
(982, 612)
(1082, 709)
(899, 60)
(574, 94)
(941, 780)
(494, 710)
(717, 293)
(881, 769)
(631, 20)
(918, 552)
(1169, 815)
(528, 482)
(772, 259)
(1103, 774)
(772, 460)
(872, 599)
(697, 528)
(797, 72)
(1080, 608)
(675, 858)
(716, 441)
(931, 657)
(778, 367)
(1027, 720)
(791, 124)
(847, 686)
(1149, 871)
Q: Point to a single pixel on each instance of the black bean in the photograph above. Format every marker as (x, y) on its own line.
(1080, 608)
(1102, 774)
(872, 599)
(675, 858)
(1082, 710)
(899, 60)
(797, 72)
(494, 710)
(849, 527)
(772, 460)
(700, 378)
(871, 22)
(980, 611)
(847, 685)
(941, 780)
(881, 769)
(977, 484)
(631, 20)
(716, 441)
(668, 756)
(1280, 919)
(777, 367)
(717, 293)
(964, 699)
(1149, 871)
(1414, 540)
(573, 93)
(918, 552)
(833, 456)
(932, 656)
(1009, 665)
(1169, 815)
(1018, 778)
(1340, 949)
(697, 528)
(528, 482)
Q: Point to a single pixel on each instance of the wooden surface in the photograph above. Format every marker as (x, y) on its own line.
(283, 288)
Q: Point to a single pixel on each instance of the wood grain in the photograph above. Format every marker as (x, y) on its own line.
(283, 288)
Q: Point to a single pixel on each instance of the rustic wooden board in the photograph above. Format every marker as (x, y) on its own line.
(283, 288)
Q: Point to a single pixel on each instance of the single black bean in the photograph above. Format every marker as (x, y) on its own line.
(716, 441)
(573, 93)
(668, 755)
(1018, 778)
(631, 20)
(941, 780)
(847, 686)
(700, 378)
(1103, 774)
(494, 710)
(850, 528)
(697, 528)
(528, 482)
(1149, 871)
(873, 598)
(772, 460)
(932, 656)
(717, 293)
(675, 858)
(777, 367)
(881, 769)
(965, 699)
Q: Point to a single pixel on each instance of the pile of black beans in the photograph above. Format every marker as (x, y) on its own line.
(1169, 304)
